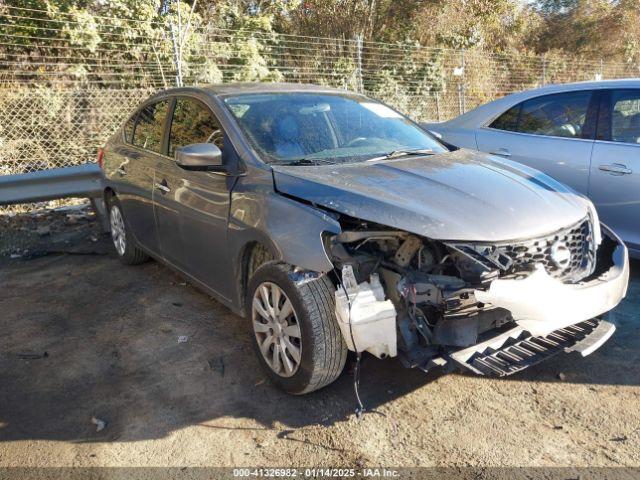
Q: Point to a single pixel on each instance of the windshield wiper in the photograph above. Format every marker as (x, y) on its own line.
(402, 153)
(304, 162)
(312, 160)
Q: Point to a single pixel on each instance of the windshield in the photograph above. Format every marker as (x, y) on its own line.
(311, 128)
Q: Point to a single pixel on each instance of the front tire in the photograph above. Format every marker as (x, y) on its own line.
(123, 241)
(294, 329)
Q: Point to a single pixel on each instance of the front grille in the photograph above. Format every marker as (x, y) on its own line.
(579, 242)
(518, 259)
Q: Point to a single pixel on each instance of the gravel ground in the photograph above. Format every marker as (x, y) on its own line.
(85, 340)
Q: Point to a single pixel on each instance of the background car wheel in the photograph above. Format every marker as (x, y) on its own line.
(295, 333)
(126, 248)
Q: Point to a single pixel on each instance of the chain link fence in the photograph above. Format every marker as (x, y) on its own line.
(49, 127)
(60, 100)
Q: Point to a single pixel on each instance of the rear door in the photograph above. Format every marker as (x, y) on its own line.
(615, 164)
(134, 174)
(551, 133)
(192, 207)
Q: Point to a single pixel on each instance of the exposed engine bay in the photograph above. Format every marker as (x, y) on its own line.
(431, 287)
(435, 292)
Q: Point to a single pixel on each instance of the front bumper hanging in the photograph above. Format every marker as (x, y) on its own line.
(516, 349)
(551, 317)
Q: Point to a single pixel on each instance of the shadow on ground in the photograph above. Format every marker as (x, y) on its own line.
(83, 337)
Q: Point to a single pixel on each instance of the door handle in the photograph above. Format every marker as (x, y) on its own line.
(162, 186)
(503, 152)
(121, 171)
(616, 169)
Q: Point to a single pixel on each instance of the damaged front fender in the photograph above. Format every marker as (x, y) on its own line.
(291, 230)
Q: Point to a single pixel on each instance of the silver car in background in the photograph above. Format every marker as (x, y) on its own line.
(586, 135)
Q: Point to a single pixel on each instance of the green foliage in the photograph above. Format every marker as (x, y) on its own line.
(85, 32)
(240, 40)
(241, 36)
(590, 28)
(331, 18)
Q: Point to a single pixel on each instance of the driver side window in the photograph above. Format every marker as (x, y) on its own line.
(193, 122)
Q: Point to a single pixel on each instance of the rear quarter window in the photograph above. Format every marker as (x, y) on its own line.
(508, 120)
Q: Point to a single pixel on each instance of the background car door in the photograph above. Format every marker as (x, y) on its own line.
(552, 133)
(615, 164)
(192, 207)
(139, 154)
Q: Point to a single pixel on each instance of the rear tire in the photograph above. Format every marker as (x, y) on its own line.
(126, 248)
(310, 314)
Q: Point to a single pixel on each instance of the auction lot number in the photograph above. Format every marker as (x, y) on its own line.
(314, 472)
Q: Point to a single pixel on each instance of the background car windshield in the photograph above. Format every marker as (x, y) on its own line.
(289, 127)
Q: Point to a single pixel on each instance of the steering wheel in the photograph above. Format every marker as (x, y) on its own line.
(358, 141)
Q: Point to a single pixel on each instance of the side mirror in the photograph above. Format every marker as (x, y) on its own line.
(200, 156)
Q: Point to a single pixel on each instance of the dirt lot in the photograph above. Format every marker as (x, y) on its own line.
(84, 337)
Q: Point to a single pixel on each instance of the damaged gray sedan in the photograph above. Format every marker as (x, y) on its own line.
(334, 223)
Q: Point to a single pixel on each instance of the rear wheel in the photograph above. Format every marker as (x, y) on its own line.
(126, 248)
(295, 332)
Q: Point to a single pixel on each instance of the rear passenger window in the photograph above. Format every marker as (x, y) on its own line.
(148, 131)
(625, 116)
(508, 120)
(558, 115)
(194, 122)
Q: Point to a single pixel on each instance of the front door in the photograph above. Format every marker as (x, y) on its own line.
(550, 133)
(615, 164)
(192, 207)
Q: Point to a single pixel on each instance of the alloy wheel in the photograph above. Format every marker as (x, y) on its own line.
(277, 330)
(118, 234)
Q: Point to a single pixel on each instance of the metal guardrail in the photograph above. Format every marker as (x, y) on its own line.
(78, 181)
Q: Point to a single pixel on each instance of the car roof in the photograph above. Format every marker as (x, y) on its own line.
(272, 87)
(592, 84)
(229, 89)
(490, 110)
(224, 89)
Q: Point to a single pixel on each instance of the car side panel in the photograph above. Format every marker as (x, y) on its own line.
(290, 229)
(615, 194)
(129, 172)
(565, 159)
(192, 223)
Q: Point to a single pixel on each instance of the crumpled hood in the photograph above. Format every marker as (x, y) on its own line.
(461, 195)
